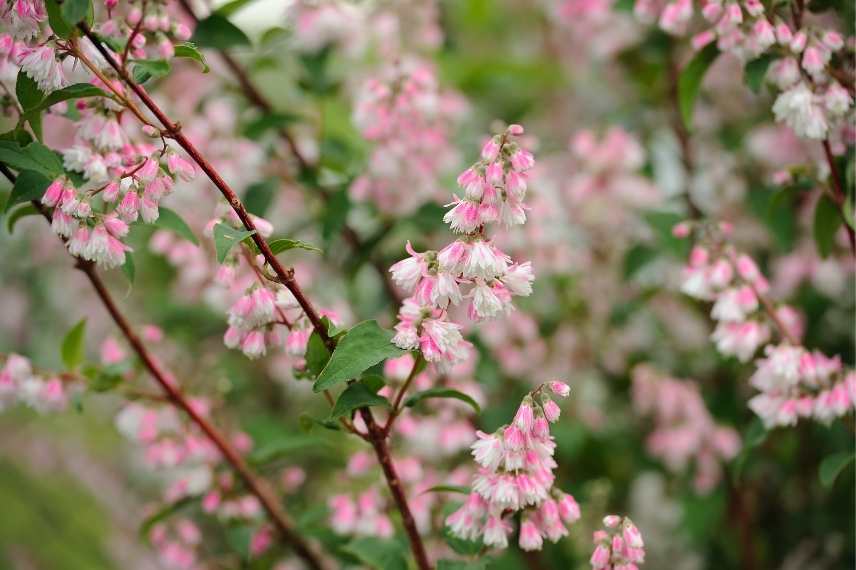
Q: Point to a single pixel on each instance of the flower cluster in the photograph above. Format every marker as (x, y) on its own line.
(684, 429)
(795, 383)
(19, 383)
(147, 25)
(619, 546)
(516, 475)
(733, 282)
(812, 101)
(472, 266)
(410, 121)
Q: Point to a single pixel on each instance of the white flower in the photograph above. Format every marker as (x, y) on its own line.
(837, 99)
(407, 272)
(518, 279)
(41, 65)
(796, 108)
(486, 304)
(485, 261)
(446, 290)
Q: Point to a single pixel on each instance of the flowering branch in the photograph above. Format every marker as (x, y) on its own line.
(286, 277)
(254, 96)
(255, 485)
(173, 131)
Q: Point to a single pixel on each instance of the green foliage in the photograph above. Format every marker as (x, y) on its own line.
(755, 71)
(28, 186)
(317, 354)
(34, 156)
(216, 31)
(58, 24)
(379, 553)
(145, 69)
(226, 237)
(260, 195)
(165, 513)
(689, 82)
(662, 224)
(442, 393)
(355, 396)
(190, 51)
(267, 122)
(827, 221)
(170, 220)
(16, 214)
(75, 11)
(284, 244)
(363, 346)
(833, 465)
(73, 349)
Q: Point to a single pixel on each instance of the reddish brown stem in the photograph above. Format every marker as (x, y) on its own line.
(254, 96)
(286, 278)
(173, 130)
(839, 194)
(254, 484)
(377, 437)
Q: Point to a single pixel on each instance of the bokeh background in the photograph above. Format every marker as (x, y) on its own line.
(74, 493)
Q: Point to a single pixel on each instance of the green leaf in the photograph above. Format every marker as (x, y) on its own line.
(28, 92)
(307, 422)
(75, 91)
(356, 396)
(190, 51)
(662, 223)
(28, 186)
(441, 393)
(73, 346)
(756, 70)
(317, 354)
(480, 564)
(284, 244)
(226, 237)
(833, 465)
(259, 196)
(21, 211)
(216, 31)
(285, 446)
(145, 69)
(263, 123)
(165, 513)
(826, 223)
(230, 8)
(57, 23)
(460, 545)
(689, 82)
(129, 268)
(363, 346)
(75, 11)
(104, 382)
(35, 156)
(448, 489)
(382, 554)
(170, 220)
(636, 258)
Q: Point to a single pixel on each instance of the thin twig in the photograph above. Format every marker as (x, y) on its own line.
(254, 484)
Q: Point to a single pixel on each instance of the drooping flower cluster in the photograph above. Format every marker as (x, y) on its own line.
(423, 440)
(619, 546)
(812, 100)
(684, 429)
(794, 382)
(148, 25)
(471, 267)
(19, 383)
(516, 476)
(410, 120)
